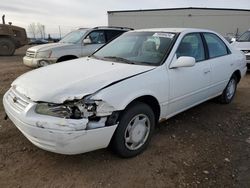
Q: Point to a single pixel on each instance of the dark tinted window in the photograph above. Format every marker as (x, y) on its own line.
(17, 33)
(191, 45)
(216, 47)
(111, 34)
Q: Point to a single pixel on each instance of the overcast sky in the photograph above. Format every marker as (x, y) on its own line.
(70, 14)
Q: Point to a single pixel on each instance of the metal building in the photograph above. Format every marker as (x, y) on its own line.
(228, 22)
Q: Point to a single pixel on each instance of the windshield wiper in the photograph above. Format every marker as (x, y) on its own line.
(119, 59)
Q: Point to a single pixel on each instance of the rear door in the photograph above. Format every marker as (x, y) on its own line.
(189, 85)
(221, 60)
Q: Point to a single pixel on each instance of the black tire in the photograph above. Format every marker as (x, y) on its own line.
(225, 97)
(7, 47)
(136, 110)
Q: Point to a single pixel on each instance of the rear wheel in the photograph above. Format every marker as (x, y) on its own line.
(7, 46)
(134, 131)
(230, 90)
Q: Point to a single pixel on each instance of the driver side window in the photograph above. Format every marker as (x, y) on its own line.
(192, 46)
(96, 37)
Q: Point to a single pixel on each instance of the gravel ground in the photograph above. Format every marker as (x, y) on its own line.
(206, 146)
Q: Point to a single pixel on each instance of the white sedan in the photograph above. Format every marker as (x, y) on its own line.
(243, 44)
(116, 96)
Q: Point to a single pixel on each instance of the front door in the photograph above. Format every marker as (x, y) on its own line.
(97, 40)
(189, 85)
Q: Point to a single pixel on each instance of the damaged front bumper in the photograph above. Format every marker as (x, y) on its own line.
(64, 136)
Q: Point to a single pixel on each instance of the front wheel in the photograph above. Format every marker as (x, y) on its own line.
(7, 47)
(230, 90)
(134, 131)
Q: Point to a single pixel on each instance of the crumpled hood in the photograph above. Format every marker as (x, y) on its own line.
(73, 79)
(49, 46)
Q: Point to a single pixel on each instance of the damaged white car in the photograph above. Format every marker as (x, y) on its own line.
(116, 96)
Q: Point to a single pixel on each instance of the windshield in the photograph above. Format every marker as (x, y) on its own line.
(245, 37)
(147, 48)
(74, 36)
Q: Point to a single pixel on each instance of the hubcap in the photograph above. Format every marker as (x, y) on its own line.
(137, 132)
(43, 63)
(231, 89)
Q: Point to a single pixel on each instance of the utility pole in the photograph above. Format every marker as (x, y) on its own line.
(60, 32)
(43, 31)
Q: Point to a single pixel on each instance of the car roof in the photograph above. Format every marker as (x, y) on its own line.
(175, 30)
(107, 28)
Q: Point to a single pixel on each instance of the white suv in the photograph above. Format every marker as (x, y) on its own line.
(117, 95)
(243, 44)
(78, 43)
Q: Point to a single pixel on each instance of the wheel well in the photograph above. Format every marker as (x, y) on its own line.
(238, 75)
(152, 102)
(67, 57)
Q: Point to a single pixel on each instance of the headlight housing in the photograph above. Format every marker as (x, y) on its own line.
(44, 54)
(78, 109)
(58, 110)
(69, 110)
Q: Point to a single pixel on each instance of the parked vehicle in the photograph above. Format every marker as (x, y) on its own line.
(38, 41)
(116, 96)
(78, 43)
(11, 38)
(243, 44)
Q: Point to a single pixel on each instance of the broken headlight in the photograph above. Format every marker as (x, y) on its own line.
(78, 109)
(57, 110)
(70, 110)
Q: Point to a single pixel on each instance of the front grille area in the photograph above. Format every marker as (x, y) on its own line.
(16, 100)
(245, 51)
(30, 54)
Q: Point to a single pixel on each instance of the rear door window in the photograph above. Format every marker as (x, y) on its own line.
(111, 34)
(216, 47)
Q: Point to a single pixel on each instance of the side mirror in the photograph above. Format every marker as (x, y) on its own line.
(86, 41)
(183, 61)
(233, 39)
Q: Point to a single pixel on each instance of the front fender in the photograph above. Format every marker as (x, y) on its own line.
(123, 93)
(119, 104)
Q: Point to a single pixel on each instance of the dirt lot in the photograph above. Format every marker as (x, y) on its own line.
(207, 146)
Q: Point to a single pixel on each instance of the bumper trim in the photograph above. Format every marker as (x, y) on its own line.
(67, 142)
